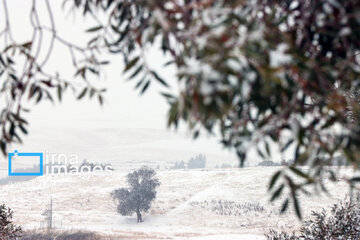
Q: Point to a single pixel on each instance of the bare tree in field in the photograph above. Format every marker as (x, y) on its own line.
(139, 196)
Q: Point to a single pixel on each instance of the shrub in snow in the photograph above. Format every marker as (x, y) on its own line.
(229, 208)
(343, 222)
(8, 230)
(274, 235)
(139, 195)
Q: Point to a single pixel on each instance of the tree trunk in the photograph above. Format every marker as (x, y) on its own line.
(138, 214)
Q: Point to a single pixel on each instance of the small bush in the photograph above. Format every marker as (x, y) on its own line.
(274, 235)
(52, 235)
(8, 230)
(343, 222)
(229, 208)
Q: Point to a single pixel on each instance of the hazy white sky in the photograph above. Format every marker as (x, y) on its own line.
(127, 127)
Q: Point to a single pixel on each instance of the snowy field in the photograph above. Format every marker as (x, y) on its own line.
(190, 204)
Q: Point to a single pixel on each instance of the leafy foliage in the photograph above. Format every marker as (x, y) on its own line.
(8, 231)
(283, 72)
(343, 222)
(139, 196)
(263, 72)
(26, 78)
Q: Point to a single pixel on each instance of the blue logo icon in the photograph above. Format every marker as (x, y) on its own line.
(17, 155)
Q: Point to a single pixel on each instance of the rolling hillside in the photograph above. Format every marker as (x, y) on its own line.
(209, 204)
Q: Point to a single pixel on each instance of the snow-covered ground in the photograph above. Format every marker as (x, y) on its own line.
(187, 205)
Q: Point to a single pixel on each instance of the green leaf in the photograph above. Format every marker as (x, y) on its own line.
(94, 29)
(39, 96)
(94, 71)
(2, 60)
(159, 79)
(139, 83)
(131, 64)
(242, 156)
(355, 179)
(137, 71)
(81, 72)
(274, 178)
(282, 19)
(196, 134)
(147, 84)
(23, 129)
(173, 114)
(19, 119)
(167, 95)
(93, 40)
(104, 62)
(284, 206)
(115, 29)
(92, 92)
(296, 205)
(49, 96)
(17, 137)
(277, 193)
(3, 147)
(260, 153)
(82, 94)
(27, 45)
(267, 147)
(169, 63)
(13, 76)
(301, 174)
(9, 60)
(287, 145)
(12, 129)
(101, 100)
(59, 92)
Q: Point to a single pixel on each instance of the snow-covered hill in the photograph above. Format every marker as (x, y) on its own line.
(208, 204)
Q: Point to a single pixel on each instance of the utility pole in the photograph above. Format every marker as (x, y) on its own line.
(51, 214)
(48, 213)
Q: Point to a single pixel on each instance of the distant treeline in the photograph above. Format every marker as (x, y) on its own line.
(198, 161)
